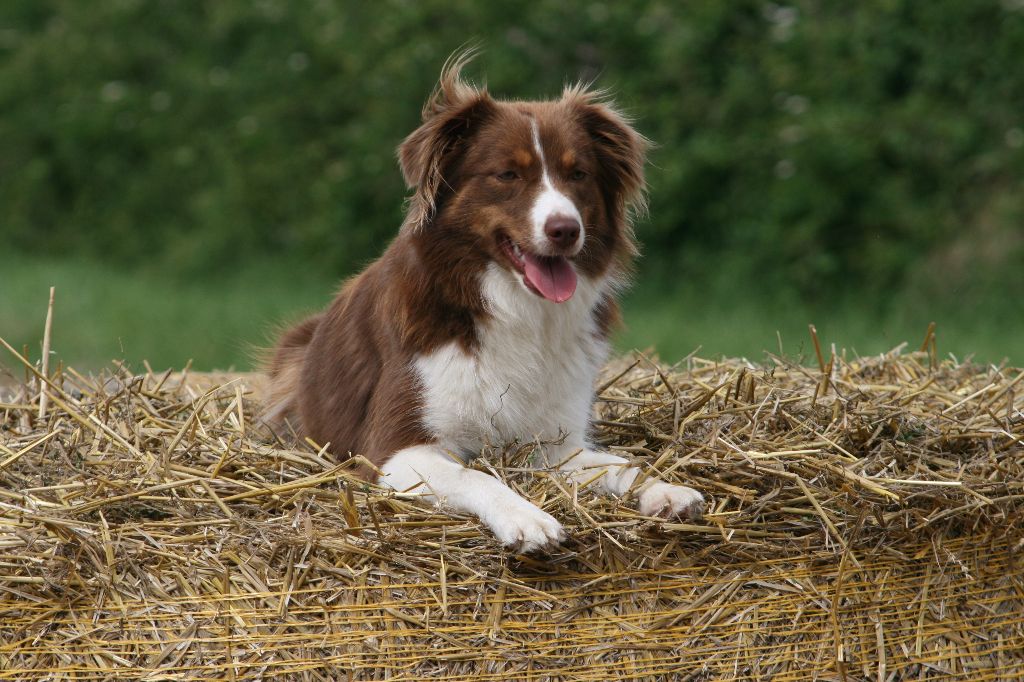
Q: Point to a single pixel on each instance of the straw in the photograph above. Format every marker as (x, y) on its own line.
(149, 528)
(46, 353)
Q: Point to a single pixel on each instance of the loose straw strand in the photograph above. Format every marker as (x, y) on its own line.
(43, 395)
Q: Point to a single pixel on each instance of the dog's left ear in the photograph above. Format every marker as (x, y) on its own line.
(450, 118)
(621, 150)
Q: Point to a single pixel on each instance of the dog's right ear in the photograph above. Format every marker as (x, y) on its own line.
(450, 117)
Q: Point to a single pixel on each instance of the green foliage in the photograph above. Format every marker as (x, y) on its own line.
(814, 147)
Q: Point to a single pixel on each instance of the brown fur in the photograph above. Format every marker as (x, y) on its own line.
(345, 376)
(285, 369)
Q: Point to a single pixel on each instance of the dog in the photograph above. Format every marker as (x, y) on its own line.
(487, 319)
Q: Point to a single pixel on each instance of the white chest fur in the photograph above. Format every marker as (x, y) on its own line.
(532, 376)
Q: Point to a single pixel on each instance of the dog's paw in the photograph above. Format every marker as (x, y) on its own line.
(523, 527)
(671, 501)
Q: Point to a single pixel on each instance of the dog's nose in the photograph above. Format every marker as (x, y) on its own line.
(562, 231)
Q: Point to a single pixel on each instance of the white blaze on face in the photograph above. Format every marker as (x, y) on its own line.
(550, 202)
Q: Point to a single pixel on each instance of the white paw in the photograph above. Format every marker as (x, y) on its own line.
(669, 501)
(523, 527)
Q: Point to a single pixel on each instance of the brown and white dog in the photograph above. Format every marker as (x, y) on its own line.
(487, 319)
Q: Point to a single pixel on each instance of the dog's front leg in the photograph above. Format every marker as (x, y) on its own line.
(427, 469)
(614, 475)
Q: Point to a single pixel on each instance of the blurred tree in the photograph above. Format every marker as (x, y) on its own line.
(816, 146)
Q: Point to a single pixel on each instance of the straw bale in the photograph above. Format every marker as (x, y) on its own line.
(864, 523)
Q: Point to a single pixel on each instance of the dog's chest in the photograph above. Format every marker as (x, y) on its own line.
(531, 376)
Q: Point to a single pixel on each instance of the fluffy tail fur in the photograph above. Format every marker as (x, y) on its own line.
(285, 369)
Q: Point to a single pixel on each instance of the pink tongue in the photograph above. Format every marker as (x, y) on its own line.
(552, 277)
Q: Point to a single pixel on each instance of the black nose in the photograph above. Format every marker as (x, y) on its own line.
(563, 231)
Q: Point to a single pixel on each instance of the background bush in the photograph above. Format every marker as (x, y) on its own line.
(814, 150)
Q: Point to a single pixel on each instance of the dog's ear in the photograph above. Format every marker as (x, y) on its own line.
(621, 150)
(450, 117)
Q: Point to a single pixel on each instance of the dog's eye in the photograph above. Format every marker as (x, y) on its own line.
(508, 176)
(577, 175)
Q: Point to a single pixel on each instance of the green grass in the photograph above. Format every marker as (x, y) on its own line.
(103, 313)
(726, 323)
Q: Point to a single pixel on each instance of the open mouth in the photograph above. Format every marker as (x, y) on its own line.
(550, 277)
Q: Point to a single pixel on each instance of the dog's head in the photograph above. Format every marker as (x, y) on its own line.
(543, 189)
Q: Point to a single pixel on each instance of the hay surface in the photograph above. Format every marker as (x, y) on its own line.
(864, 524)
